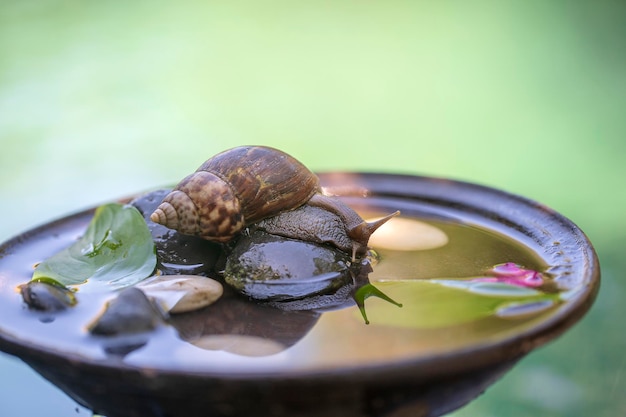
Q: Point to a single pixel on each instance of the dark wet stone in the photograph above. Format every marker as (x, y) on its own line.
(268, 267)
(47, 297)
(177, 253)
(130, 312)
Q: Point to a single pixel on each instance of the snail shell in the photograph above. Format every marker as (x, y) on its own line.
(235, 188)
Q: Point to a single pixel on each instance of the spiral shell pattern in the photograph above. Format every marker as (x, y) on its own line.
(236, 188)
(201, 205)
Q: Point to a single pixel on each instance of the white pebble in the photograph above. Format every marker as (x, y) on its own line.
(405, 234)
(182, 293)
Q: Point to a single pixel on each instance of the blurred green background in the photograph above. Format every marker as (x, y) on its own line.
(103, 99)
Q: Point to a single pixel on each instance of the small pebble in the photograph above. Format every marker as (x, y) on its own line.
(46, 297)
(182, 293)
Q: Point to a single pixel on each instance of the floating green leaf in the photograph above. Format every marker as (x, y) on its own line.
(116, 251)
(428, 304)
(366, 291)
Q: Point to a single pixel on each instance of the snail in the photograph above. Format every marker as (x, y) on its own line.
(241, 186)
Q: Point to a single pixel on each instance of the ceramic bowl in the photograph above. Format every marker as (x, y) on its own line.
(420, 385)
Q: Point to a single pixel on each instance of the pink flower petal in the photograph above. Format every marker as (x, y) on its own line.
(511, 273)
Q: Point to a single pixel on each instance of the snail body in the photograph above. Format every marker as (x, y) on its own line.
(325, 220)
(245, 185)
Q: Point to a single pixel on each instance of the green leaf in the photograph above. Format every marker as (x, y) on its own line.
(367, 291)
(429, 304)
(116, 251)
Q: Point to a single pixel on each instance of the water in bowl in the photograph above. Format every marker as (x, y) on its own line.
(438, 269)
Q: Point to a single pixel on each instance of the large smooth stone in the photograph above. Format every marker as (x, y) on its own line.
(273, 268)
